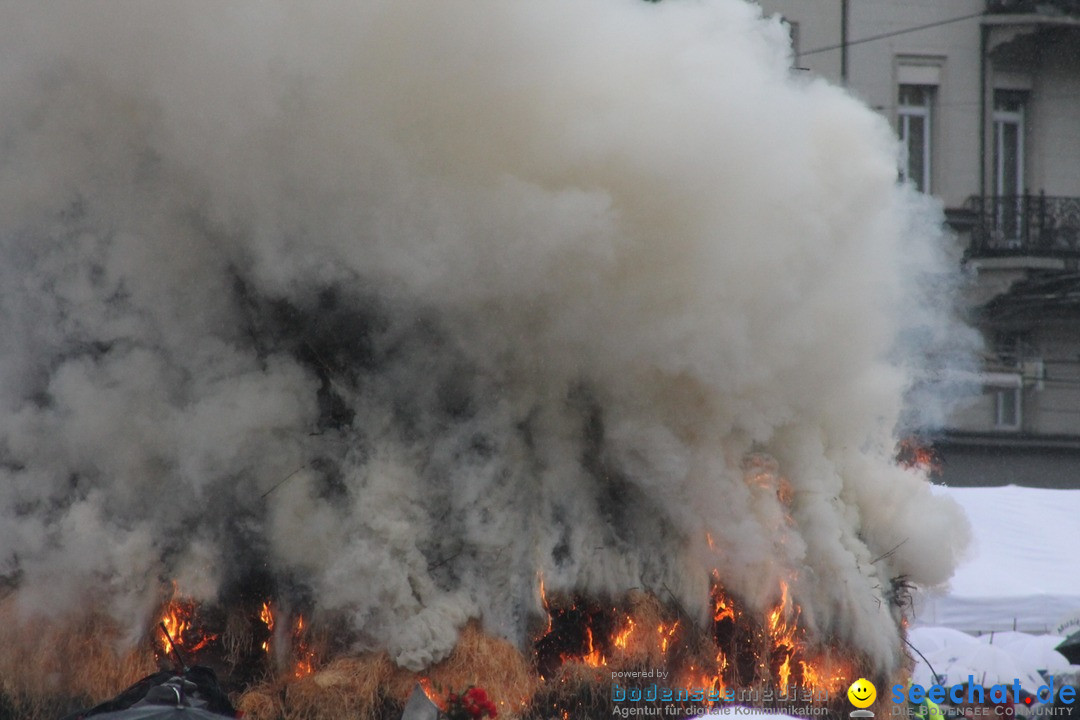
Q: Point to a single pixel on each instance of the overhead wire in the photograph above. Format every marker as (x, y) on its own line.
(893, 33)
(928, 26)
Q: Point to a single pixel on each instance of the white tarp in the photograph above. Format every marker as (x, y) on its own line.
(1023, 569)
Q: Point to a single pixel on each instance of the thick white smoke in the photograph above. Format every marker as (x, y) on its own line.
(410, 302)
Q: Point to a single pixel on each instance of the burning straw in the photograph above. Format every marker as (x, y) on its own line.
(372, 687)
(579, 650)
(736, 657)
(397, 305)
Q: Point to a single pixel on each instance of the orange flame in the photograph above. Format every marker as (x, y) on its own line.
(305, 655)
(266, 614)
(622, 639)
(175, 618)
(910, 453)
(782, 633)
(178, 617)
(830, 674)
(723, 608)
(432, 694)
(664, 634)
(544, 602)
(783, 655)
(593, 657)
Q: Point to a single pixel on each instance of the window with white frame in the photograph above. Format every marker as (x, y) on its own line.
(914, 111)
(1009, 185)
(1007, 409)
(1012, 349)
(1009, 106)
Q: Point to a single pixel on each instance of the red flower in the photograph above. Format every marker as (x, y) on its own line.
(473, 704)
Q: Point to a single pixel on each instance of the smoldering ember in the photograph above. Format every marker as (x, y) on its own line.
(510, 345)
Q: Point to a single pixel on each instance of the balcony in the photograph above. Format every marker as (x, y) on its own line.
(1050, 8)
(1024, 225)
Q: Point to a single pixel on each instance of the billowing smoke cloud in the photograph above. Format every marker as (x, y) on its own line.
(408, 303)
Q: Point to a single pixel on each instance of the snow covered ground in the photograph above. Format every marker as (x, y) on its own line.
(1023, 569)
(1022, 574)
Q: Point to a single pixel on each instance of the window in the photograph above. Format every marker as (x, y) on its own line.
(1007, 406)
(1011, 348)
(1009, 187)
(914, 116)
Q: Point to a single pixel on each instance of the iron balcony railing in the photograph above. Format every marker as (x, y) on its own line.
(1025, 225)
(1041, 7)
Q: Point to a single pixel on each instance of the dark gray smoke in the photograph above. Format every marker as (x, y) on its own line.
(408, 303)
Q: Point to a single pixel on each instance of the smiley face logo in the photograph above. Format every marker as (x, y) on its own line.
(862, 693)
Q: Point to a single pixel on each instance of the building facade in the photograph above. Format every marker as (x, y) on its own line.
(985, 99)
